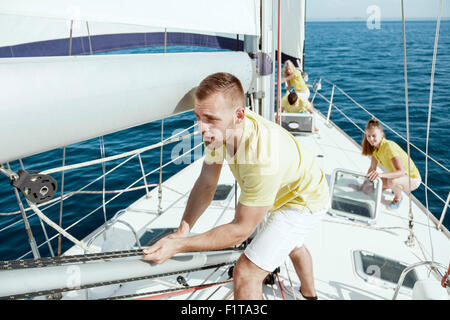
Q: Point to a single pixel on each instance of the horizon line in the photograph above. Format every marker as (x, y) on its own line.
(363, 20)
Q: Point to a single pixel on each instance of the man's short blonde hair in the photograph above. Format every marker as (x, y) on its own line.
(222, 82)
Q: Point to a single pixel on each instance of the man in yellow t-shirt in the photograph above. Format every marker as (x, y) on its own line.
(275, 174)
(292, 103)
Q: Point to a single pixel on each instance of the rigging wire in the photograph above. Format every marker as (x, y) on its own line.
(31, 239)
(433, 66)
(384, 124)
(44, 230)
(62, 199)
(131, 185)
(160, 170)
(102, 153)
(409, 242)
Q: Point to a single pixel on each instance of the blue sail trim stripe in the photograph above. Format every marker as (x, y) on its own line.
(111, 42)
(103, 43)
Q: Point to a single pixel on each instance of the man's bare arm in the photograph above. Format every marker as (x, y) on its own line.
(201, 195)
(245, 222)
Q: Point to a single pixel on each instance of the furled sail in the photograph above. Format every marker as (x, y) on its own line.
(50, 102)
(55, 100)
(73, 276)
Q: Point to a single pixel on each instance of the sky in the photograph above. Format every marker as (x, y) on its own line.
(387, 9)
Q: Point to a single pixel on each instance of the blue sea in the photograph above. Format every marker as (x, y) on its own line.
(366, 63)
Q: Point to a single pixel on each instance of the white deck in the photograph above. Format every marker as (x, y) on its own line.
(331, 244)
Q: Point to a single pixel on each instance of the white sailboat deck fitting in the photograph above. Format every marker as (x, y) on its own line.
(332, 245)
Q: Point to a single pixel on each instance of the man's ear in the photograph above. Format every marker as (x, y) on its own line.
(239, 114)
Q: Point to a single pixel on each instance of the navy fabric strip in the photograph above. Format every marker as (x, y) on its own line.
(111, 42)
(102, 43)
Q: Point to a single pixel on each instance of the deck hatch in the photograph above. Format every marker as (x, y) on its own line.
(355, 197)
(223, 192)
(297, 122)
(151, 236)
(381, 270)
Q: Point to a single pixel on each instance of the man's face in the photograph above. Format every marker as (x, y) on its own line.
(216, 119)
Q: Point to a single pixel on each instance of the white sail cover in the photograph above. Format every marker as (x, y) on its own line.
(230, 16)
(50, 102)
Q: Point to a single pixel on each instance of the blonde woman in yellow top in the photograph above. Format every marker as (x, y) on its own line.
(294, 78)
(391, 156)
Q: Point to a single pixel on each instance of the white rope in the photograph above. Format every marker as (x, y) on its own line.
(57, 228)
(52, 202)
(119, 156)
(153, 171)
(81, 190)
(132, 153)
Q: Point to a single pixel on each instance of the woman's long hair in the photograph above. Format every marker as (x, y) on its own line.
(367, 148)
(286, 64)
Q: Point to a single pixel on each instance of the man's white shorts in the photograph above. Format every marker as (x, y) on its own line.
(284, 230)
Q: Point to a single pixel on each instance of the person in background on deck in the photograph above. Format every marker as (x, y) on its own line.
(276, 175)
(293, 103)
(294, 78)
(392, 157)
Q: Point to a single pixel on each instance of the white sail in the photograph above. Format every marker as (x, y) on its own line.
(293, 28)
(37, 36)
(50, 102)
(33, 29)
(231, 16)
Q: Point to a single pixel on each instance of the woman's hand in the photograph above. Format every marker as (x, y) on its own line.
(372, 175)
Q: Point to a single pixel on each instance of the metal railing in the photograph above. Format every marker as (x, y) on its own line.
(433, 264)
(317, 85)
(128, 155)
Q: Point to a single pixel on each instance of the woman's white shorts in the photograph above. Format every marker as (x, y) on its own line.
(284, 230)
(304, 94)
